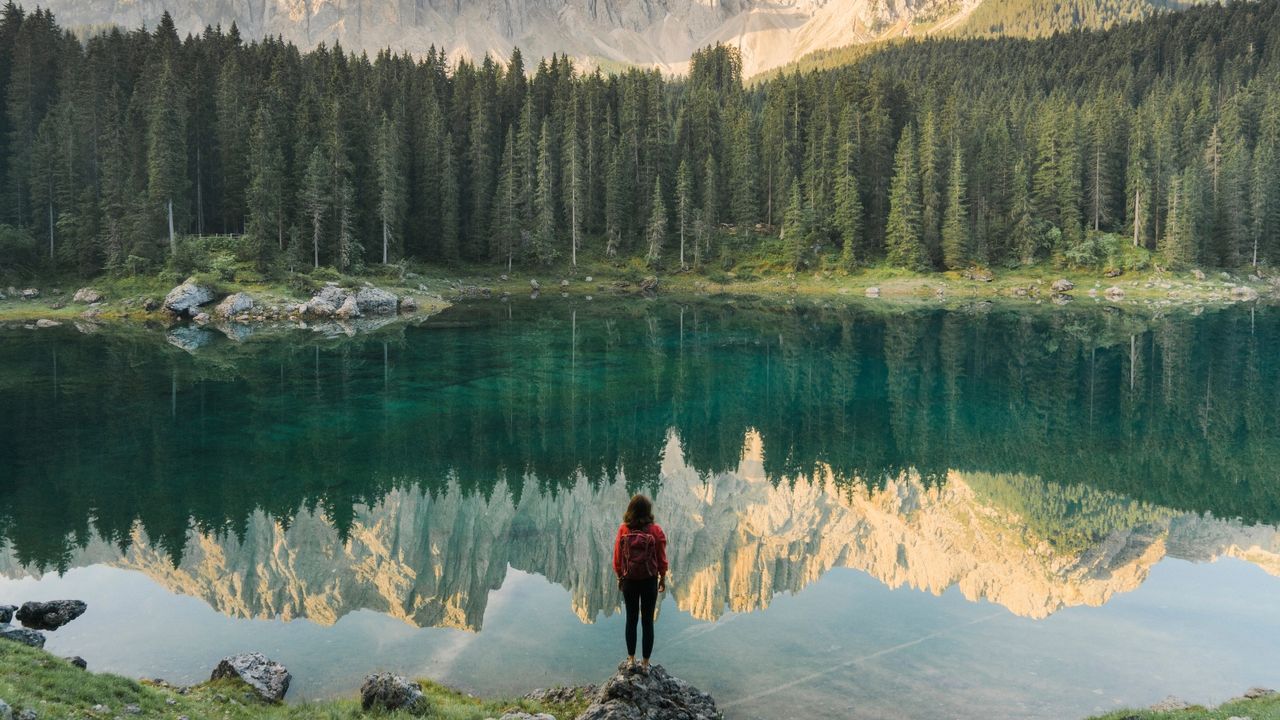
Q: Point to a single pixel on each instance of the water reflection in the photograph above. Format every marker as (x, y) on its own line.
(738, 538)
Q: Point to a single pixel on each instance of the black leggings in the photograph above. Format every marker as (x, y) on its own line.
(641, 597)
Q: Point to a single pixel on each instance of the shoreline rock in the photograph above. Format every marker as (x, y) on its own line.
(388, 693)
(269, 679)
(636, 693)
(50, 615)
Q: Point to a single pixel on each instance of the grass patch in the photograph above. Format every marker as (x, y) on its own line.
(1263, 708)
(54, 688)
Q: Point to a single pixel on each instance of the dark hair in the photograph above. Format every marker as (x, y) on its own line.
(639, 513)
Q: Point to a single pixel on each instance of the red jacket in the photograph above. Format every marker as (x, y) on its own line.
(653, 530)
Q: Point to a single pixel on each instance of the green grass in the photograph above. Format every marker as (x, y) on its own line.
(1263, 708)
(54, 688)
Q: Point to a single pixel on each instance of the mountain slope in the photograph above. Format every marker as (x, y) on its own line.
(662, 33)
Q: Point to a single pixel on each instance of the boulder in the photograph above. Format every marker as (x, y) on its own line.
(185, 298)
(50, 615)
(201, 318)
(518, 715)
(872, 292)
(78, 661)
(6, 613)
(233, 304)
(46, 323)
(408, 304)
(30, 294)
(564, 283)
(649, 286)
(1171, 704)
(88, 296)
(1112, 273)
(375, 301)
(1062, 285)
(978, 275)
(269, 679)
(1198, 274)
(1114, 293)
(349, 309)
(588, 279)
(22, 635)
(1254, 693)
(319, 307)
(387, 692)
(636, 693)
(534, 285)
(6, 712)
(1244, 292)
(561, 695)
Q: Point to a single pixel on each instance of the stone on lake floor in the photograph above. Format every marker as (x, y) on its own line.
(269, 679)
(50, 615)
(388, 692)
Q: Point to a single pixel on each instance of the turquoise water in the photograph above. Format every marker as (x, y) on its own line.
(967, 513)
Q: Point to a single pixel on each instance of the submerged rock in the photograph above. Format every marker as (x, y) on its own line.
(388, 692)
(22, 635)
(635, 693)
(234, 304)
(185, 298)
(50, 615)
(268, 678)
(188, 338)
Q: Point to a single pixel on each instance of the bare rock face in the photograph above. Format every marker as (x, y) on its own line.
(269, 679)
(388, 693)
(233, 305)
(22, 635)
(50, 615)
(184, 299)
(635, 693)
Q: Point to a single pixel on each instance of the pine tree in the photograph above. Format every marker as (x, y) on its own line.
(902, 234)
(956, 251)
(795, 228)
(544, 229)
(848, 201)
(931, 187)
(265, 195)
(167, 155)
(450, 204)
(656, 230)
(391, 183)
(575, 178)
(684, 203)
(1186, 217)
(505, 223)
(313, 199)
(1026, 236)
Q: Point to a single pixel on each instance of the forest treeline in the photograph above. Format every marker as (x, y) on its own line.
(124, 152)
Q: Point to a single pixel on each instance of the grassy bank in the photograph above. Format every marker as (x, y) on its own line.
(1262, 708)
(128, 298)
(54, 688)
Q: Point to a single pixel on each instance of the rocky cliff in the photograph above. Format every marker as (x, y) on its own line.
(736, 540)
(657, 32)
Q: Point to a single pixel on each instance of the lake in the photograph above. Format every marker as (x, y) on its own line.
(981, 512)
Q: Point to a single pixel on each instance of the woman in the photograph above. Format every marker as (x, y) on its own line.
(640, 562)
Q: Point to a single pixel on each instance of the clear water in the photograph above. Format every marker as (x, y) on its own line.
(972, 513)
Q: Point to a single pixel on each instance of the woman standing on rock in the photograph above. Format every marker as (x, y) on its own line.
(640, 562)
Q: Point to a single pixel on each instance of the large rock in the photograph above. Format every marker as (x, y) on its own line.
(268, 678)
(6, 613)
(387, 692)
(22, 635)
(519, 715)
(87, 296)
(636, 693)
(184, 299)
(375, 301)
(233, 305)
(649, 286)
(30, 294)
(47, 323)
(326, 302)
(1114, 293)
(189, 338)
(6, 712)
(50, 615)
(1244, 292)
(349, 310)
(1062, 285)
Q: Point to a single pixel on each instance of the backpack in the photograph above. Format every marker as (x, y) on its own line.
(639, 555)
